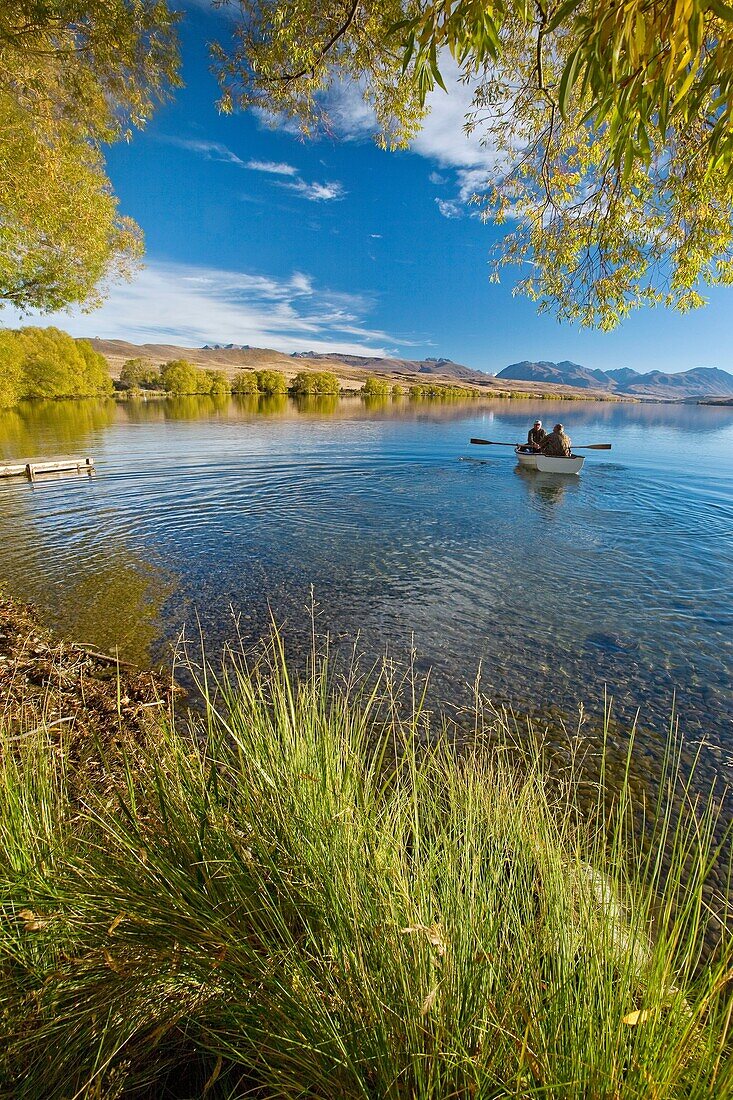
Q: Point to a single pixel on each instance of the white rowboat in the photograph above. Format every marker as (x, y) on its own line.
(546, 464)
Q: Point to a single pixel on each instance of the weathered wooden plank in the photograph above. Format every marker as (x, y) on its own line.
(30, 469)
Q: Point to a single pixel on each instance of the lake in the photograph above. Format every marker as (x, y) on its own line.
(559, 588)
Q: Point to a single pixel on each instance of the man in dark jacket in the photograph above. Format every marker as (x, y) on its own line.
(556, 444)
(536, 435)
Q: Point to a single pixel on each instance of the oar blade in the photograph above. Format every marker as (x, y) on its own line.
(493, 443)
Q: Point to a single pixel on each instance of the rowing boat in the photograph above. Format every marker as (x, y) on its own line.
(547, 464)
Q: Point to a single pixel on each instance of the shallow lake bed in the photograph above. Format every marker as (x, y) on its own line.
(561, 589)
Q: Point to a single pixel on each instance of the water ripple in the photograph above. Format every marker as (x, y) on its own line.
(557, 586)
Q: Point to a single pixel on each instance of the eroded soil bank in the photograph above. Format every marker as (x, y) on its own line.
(93, 703)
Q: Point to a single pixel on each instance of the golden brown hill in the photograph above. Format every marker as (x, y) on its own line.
(351, 370)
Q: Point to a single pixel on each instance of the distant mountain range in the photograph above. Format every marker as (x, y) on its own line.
(689, 384)
(445, 368)
(225, 347)
(529, 378)
(624, 382)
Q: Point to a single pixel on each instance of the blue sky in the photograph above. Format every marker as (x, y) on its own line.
(256, 237)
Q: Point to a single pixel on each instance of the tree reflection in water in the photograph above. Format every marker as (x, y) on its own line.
(40, 429)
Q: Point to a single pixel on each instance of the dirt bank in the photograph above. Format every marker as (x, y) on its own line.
(93, 704)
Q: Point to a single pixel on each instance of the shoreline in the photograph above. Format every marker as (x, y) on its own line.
(92, 703)
(472, 396)
(95, 701)
(239, 899)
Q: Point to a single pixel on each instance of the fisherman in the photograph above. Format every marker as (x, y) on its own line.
(556, 444)
(535, 436)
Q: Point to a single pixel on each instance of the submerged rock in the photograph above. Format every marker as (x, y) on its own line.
(611, 643)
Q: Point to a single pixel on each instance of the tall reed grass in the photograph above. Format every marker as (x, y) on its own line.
(300, 894)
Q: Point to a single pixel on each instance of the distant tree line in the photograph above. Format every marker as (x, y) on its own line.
(178, 376)
(318, 381)
(436, 389)
(260, 381)
(380, 387)
(183, 377)
(46, 362)
(532, 395)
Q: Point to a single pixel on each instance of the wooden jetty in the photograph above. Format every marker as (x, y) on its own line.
(31, 469)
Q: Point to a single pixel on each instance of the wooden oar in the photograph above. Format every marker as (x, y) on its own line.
(493, 443)
(580, 447)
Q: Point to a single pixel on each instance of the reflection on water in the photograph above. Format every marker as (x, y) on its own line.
(117, 606)
(38, 428)
(558, 586)
(545, 488)
(266, 404)
(321, 404)
(103, 594)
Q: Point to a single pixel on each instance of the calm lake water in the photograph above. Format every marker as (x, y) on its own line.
(560, 588)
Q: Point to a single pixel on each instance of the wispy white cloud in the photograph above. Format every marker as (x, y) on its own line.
(443, 138)
(274, 168)
(301, 284)
(270, 120)
(471, 181)
(192, 306)
(210, 150)
(461, 157)
(350, 115)
(312, 191)
(317, 192)
(449, 209)
(214, 150)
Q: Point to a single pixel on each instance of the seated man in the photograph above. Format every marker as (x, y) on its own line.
(535, 436)
(556, 444)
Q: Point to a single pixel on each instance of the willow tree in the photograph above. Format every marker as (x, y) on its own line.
(74, 75)
(608, 126)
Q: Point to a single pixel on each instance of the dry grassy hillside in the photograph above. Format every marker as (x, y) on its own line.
(351, 370)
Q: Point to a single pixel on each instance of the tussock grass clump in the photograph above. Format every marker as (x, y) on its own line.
(298, 894)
